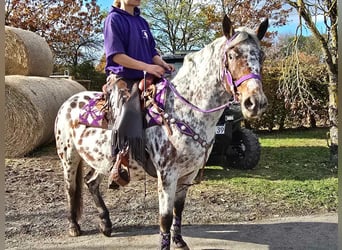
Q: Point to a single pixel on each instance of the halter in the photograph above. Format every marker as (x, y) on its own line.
(235, 84)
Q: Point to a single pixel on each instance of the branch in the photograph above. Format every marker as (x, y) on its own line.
(306, 15)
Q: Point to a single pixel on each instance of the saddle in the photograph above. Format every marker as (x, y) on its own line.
(127, 127)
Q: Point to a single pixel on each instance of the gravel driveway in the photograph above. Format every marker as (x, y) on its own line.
(35, 215)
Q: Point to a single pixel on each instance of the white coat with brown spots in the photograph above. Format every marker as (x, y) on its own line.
(176, 157)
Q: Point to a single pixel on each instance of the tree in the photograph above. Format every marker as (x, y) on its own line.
(309, 11)
(177, 25)
(251, 11)
(72, 28)
(188, 24)
(295, 110)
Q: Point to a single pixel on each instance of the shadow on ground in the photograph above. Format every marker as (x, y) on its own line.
(268, 235)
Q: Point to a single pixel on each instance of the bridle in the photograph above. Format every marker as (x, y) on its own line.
(234, 84)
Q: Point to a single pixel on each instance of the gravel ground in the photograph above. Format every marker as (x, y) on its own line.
(35, 209)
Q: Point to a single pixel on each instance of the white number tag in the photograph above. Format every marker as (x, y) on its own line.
(220, 129)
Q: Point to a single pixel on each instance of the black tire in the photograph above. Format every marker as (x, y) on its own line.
(244, 151)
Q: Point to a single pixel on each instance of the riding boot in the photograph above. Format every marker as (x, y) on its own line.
(119, 174)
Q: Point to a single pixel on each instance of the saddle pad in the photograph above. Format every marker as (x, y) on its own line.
(92, 114)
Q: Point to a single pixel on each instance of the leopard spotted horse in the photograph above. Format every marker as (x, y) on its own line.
(227, 68)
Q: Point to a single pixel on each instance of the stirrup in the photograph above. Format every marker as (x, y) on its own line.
(120, 171)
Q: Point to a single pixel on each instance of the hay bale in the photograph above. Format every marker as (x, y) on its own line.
(31, 106)
(26, 53)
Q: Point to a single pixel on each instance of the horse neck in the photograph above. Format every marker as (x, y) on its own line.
(199, 81)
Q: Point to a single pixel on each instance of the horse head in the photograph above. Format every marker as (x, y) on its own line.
(243, 64)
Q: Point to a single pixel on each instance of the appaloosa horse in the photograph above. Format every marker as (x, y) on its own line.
(229, 66)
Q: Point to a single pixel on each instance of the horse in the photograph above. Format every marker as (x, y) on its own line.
(229, 68)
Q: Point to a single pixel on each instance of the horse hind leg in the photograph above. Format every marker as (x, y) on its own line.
(73, 185)
(93, 180)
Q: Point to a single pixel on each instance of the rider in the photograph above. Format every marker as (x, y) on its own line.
(129, 45)
(130, 53)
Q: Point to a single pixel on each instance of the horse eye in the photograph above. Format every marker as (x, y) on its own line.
(230, 56)
(262, 56)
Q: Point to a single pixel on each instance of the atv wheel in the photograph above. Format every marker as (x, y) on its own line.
(244, 151)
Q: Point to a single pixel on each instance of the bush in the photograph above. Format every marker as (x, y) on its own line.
(283, 114)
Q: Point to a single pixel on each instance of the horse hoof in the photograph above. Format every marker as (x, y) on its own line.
(179, 243)
(106, 229)
(113, 185)
(106, 232)
(74, 231)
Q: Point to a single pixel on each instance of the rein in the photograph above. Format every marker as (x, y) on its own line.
(193, 106)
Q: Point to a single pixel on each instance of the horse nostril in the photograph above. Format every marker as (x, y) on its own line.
(249, 104)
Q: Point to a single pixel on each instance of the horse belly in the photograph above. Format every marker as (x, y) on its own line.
(94, 146)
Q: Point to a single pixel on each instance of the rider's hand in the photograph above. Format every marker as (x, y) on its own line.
(155, 70)
(169, 67)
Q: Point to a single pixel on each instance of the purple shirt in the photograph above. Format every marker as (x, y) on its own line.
(130, 35)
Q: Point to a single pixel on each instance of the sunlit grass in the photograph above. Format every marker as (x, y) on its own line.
(294, 172)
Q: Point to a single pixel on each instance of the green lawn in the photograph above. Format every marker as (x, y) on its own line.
(294, 173)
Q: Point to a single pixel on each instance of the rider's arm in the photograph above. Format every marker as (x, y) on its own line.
(129, 62)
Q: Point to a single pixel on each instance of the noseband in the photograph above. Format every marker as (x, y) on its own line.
(235, 84)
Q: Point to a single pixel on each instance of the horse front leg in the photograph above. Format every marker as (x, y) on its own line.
(166, 193)
(93, 180)
(177, 238)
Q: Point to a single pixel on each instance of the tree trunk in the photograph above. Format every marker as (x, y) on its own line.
(329, 49)
(312, 121)
(333, 119)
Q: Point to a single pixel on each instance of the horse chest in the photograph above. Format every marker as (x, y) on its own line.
(176, 149)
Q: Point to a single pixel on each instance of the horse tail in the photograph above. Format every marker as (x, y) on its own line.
(78, 190)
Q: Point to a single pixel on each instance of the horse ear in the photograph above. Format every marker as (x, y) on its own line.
(227, 27)
(262, 29)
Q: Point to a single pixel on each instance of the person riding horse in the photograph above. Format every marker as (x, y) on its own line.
(130, 53)
(179, 146)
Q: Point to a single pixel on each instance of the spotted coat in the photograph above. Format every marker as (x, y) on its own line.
(176, 157)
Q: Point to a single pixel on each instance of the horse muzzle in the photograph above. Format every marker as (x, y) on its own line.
(254, 106)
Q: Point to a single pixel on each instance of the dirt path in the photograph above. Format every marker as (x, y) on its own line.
(310, 232)
(35, 215)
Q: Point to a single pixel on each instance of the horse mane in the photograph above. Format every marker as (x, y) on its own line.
(194, 60)
(243, 34)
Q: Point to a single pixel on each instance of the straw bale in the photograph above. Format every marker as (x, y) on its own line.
(31, 106)
(26, 53)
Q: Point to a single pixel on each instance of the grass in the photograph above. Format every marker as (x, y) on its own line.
(294, 172)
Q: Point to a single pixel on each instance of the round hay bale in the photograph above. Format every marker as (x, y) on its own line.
(26, 53)
(31, 106)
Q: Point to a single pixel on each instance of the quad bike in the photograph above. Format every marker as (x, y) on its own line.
(234, 146)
